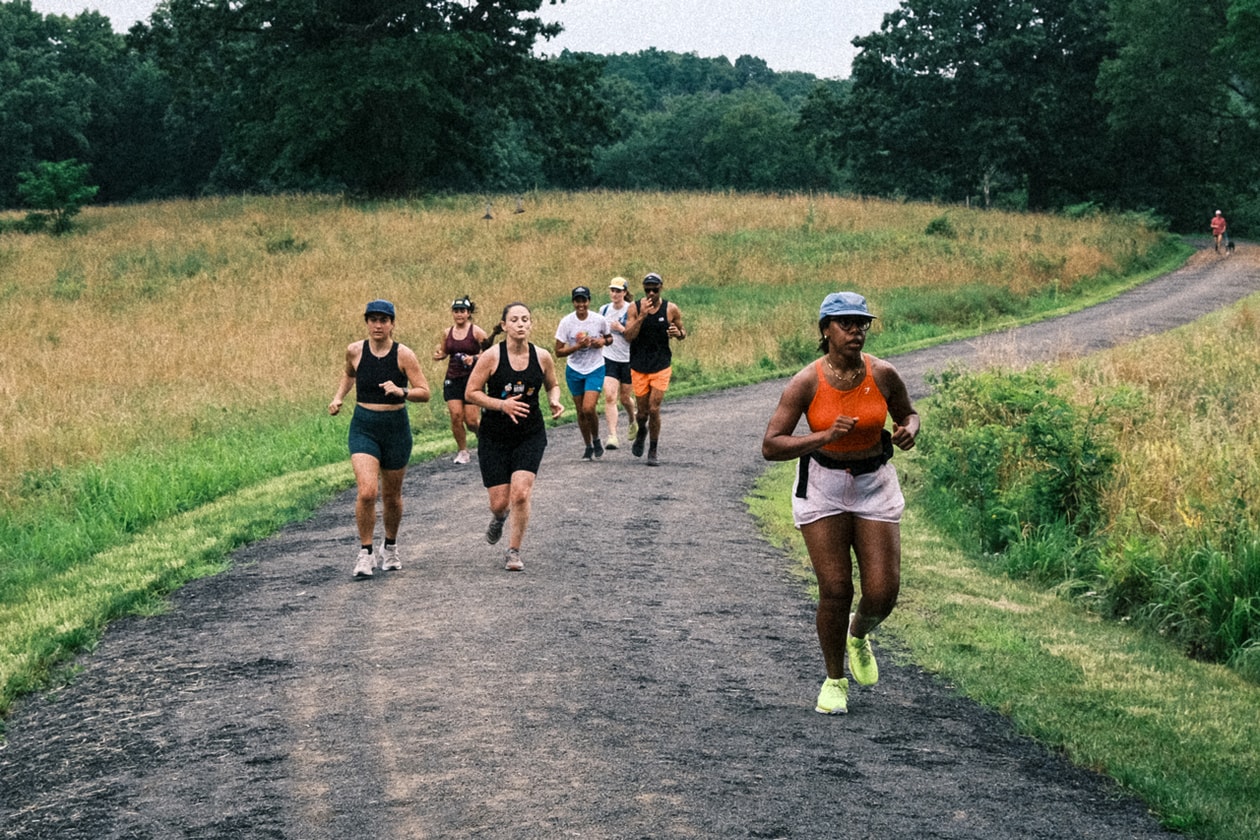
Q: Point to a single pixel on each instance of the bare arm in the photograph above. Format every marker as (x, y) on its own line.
(347, 377)
(675, 322)
(900, 408)
(548, 365)
(417, 389)
(475, 392)
(634, 318)
(779, 443)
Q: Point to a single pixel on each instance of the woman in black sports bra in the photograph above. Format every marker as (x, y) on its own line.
(385, 376)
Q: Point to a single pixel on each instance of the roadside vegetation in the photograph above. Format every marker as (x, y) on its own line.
(1082, 553)
(168, 365)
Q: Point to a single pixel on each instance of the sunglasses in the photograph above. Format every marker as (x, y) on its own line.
(852, 324)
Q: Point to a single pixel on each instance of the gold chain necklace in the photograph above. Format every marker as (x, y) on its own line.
(848, 375)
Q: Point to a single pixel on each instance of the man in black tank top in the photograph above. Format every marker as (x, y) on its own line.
(650, 324)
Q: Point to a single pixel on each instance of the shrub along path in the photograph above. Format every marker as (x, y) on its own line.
(651, 674)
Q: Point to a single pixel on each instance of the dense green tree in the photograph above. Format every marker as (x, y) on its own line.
(952, 98)
(744, 140)
(57, 189)
(45, 106)
(1182, 98)
(377, 96)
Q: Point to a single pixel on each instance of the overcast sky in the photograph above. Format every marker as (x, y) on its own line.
(810, 35)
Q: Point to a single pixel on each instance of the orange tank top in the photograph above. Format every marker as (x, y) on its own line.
(864, 401)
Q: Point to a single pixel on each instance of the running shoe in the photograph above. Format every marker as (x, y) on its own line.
(390, 561)
(495, 529)
(589, 453)
(640, 440)
(861, 660)
(463, 457)
(651, 459)
(613, 443)
(364, 564)
(514, 562)
(833, 699)
(633, 430)
(599, 449)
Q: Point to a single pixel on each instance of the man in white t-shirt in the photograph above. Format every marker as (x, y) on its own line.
(580, 341)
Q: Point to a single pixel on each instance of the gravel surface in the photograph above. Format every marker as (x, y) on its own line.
(651, 674)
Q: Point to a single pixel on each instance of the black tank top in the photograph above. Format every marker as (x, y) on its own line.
(372, 371)
(649, 352)
(506, 382)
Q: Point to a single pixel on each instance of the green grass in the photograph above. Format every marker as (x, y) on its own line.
(1180, 734)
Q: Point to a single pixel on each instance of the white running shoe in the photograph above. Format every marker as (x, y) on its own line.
(463, 456)
(390, 561)
(364, 564)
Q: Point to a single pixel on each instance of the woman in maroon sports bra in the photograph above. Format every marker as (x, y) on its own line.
(847, 500)
(461, 344)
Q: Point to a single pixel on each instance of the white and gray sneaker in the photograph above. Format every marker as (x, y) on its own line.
(364, 564)
(390, 561)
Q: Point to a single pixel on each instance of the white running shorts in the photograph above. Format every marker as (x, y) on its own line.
(874, 495)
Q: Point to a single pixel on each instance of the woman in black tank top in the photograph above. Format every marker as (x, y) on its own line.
(508, 381)
(385, 376)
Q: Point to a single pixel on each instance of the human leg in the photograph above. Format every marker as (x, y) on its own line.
(828, 542)
(588, 415)
(611, 389)
(367, 474)
(519, 493)
(455, 408)
(626, 396)
(877, 546)
(392, 501)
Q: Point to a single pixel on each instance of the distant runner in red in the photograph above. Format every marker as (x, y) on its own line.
(1219, 227)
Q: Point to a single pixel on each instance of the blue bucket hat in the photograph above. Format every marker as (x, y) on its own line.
(841, 304)
(380, 307)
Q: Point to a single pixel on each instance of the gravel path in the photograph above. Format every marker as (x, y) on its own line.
(651, 674)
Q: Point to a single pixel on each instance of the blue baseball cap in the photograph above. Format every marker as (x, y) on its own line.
(840, 304)
(380, 307)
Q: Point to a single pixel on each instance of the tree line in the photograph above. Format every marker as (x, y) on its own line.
(1146, 105)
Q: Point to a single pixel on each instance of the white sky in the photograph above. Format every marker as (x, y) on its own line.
(810, 35)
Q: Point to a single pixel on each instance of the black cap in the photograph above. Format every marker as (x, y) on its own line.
(581, 292)
(652, 279)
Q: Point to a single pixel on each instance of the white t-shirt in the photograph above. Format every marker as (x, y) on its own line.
(619, 350)
(570, 329)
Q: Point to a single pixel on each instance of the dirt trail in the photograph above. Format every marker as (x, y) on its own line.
(651, 674)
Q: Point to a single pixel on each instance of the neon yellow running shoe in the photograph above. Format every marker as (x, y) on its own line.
(833, 699)
(861, 660)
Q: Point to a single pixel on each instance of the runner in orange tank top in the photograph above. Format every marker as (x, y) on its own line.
(847, 500)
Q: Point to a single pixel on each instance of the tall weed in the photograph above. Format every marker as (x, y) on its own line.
(1128, 480)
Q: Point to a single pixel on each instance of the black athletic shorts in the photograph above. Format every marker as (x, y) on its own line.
(499, 459)
(385, 435)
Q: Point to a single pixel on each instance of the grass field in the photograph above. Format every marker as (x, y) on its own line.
(171, 363)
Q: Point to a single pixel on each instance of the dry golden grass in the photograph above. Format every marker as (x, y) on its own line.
(1188, 444)
(159, 322)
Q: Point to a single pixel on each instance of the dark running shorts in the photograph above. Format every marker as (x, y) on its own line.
(499, 459)
(453, 389)
(619, 371)
(385, 435)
